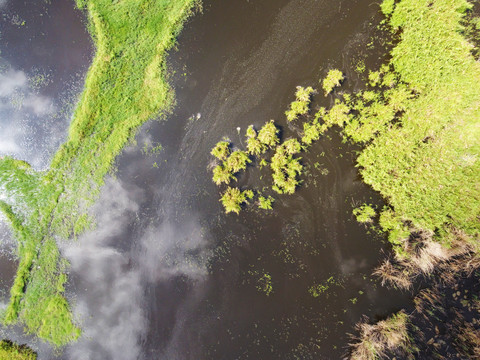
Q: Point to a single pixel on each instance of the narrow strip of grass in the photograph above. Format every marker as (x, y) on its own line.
(125, 86)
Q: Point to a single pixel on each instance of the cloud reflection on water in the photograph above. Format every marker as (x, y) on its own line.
(110, 281)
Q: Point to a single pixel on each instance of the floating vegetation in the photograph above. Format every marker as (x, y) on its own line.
(11, 351)
(125, 86)
(268, 135)
(364, 214)
(233, 199)
(286, 168)
(237, 161)
(222, 150)
(323, 287)
(333, 79)
(301, 105)
(265, 203)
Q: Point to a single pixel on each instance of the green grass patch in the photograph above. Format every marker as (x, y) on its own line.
(125, 86)
(11, 351)
(427, 164)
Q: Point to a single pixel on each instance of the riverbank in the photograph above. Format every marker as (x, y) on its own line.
(425, 164)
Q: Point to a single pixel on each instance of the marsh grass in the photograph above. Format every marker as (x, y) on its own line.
(364, 214)
(301, 105)
(125, 86)
(374, 341)
(333, 79)
(11, 351)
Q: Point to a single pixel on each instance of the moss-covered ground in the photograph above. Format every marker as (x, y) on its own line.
(125, 86)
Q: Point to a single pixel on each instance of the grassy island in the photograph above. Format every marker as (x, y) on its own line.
(125, 86)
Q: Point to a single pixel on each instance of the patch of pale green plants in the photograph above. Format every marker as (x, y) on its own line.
(333, 79)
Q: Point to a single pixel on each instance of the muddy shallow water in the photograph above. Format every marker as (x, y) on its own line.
(166, 274)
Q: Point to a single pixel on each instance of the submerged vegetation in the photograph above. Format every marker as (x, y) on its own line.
(125, 86)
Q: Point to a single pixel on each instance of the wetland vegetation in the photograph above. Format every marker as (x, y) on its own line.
(415, 124)
(125, 86)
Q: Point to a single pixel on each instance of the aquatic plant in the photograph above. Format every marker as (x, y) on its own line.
(237, 161)
(222, 175)
(338, 114)
(125, 86)
(254, 146)
(375, 340)
(268, 134)
(333, 79)
(11, 351)
(265, 203)
(415, 164)
(232, 199)
(364, 213)
(221, 150)
(285, 169)
(301, 105)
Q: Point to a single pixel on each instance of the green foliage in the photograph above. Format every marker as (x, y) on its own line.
(338, 114)
(417, 164)
(125, 86)
(285, 171)
(11, 351)
(333, 79)
(265, 203)
(221, 150)
(311, 132)
(374, 78)
(222, 175)
(254, 146)
(323, 287)
(268, 134)
(387, 7)
(364, 213)
(237, 161)
(292, 146)
(301, 105)
(233, 199)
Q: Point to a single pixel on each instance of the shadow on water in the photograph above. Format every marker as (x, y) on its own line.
(166, 274)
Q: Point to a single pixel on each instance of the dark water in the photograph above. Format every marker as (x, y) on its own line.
(166, 274)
